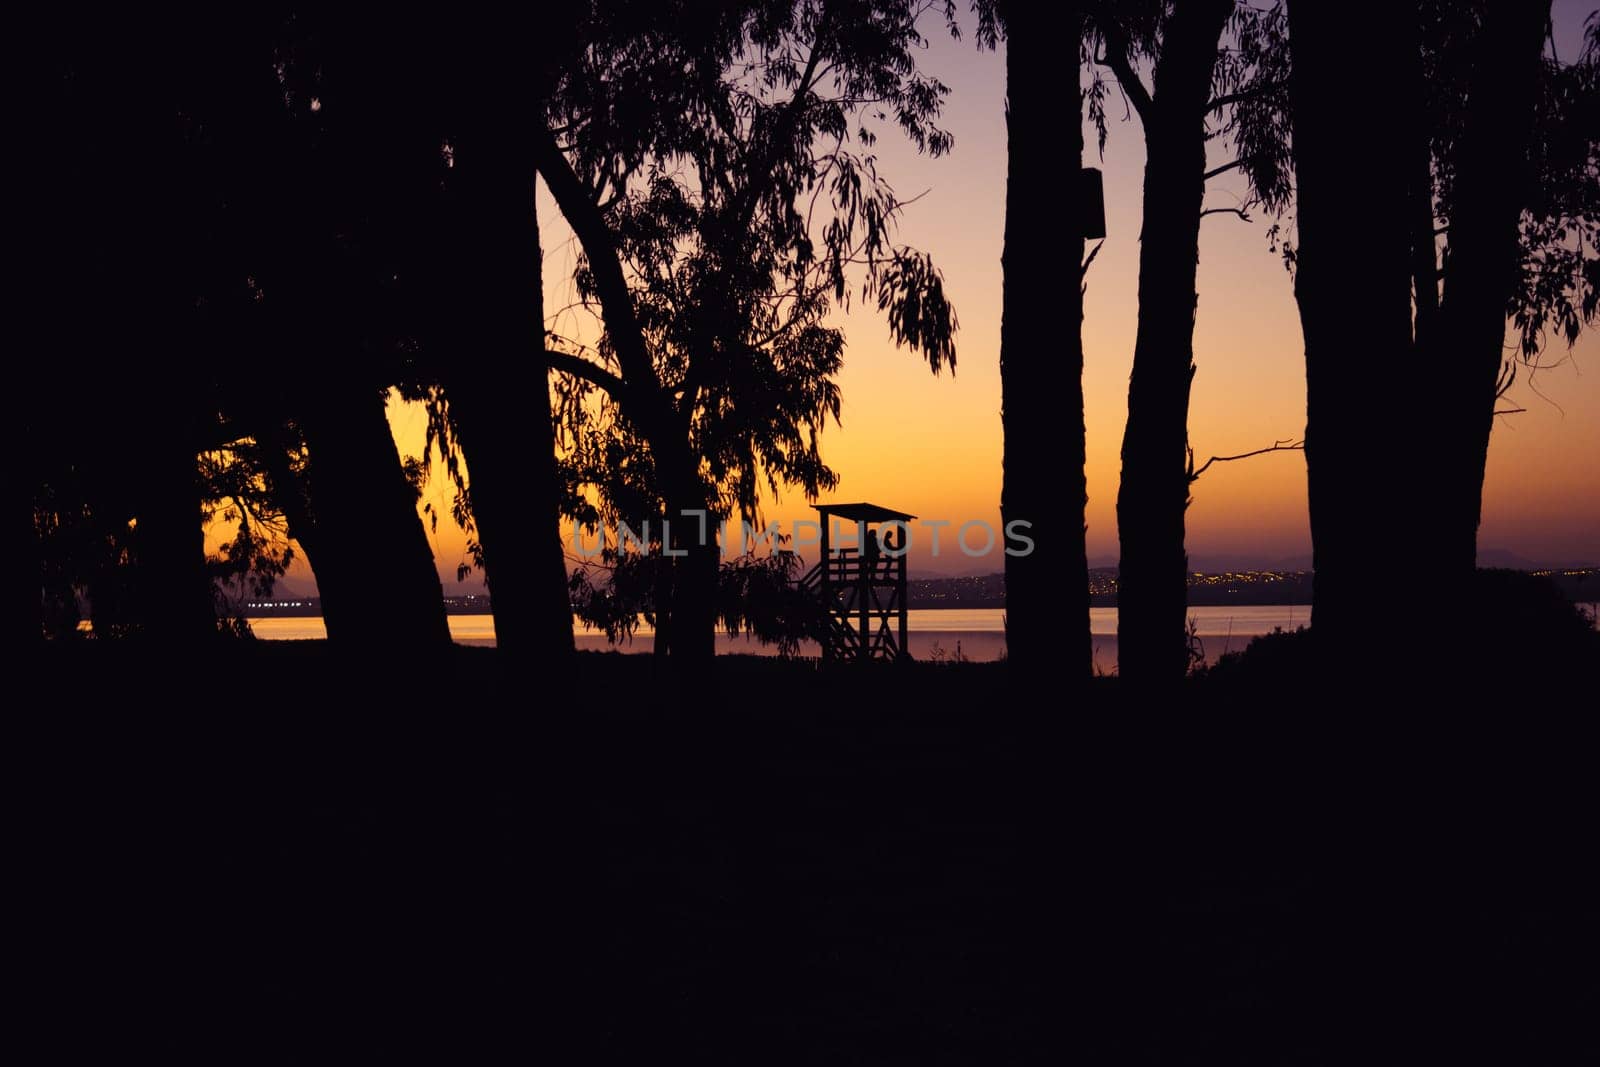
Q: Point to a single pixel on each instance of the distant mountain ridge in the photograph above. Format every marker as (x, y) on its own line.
(986, 588)
(1216, 588)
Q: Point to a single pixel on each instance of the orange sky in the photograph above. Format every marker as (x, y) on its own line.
(931, 446)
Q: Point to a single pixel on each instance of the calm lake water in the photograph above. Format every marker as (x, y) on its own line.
(934, 633)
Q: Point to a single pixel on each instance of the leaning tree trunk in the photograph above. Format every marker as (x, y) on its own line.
(1490, 189)
(375, 569)
(1152, 586)
(1353, 282)
(346, 197)
(289, 487)
(1041, 348)
(500, 398)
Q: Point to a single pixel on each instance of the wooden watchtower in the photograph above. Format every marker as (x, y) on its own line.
(862, 587)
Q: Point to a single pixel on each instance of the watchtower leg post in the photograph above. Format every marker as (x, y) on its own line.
(864, 591)
(826, 586)
(901, 601)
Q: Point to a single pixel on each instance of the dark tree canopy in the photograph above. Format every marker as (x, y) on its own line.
(720, 179)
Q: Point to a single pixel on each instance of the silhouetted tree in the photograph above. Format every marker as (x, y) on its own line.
(201, 68)
(237, 493)
(496, 379)
(128, 146)
(1489, 162)
(689, 163)
(498, 401)
(1041, 339)
(757, 597)
(448, 254)
(222, 229)
(1196, 95)
(338, 281)
(1487, 194)
(1353, 284)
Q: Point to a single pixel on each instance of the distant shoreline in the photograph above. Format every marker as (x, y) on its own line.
(1240, 588)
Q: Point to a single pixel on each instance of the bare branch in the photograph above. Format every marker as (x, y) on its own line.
(605, 259)
(1239, 211)
(1116, 57)
(1095, 251)
(1286, 445)
(1214, 171)
(1507, 378)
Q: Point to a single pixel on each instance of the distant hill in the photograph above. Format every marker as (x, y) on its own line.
(1500, 557)
(1228, 587)
(1283, 584)
(1218, 588)
(293, 589)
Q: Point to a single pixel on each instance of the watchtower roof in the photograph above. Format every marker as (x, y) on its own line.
(863, 512)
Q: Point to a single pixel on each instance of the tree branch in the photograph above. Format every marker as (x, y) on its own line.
(745, 206)
(1244, 94)
(592, 373)
(1095, 251)
(1214, 171)
(1116, 58)
(1287, 445)
(605, 261)
(1239, 211)
(1424, 237)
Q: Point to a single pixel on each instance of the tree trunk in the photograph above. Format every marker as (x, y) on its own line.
(693, 636)
(691, 613)
(165, 280)
(1353, 282)
(290, 489)
(341, 207)
(174, 591)
(1041, 348)
(375, 569)
(1152, 587)
(694, 602)
(1490, 189)
(500, 399)
(661, 595)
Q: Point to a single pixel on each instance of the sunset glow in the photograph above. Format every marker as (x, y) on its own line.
(931, 445)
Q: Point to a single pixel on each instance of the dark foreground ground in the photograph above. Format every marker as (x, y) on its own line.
(278, 855)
